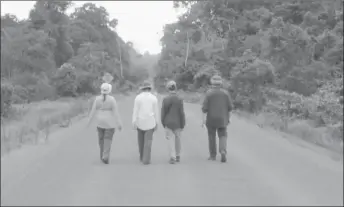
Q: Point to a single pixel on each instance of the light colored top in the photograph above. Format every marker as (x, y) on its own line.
(145, 113)
(105, 113)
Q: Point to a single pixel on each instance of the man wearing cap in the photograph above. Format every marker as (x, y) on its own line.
(173, 120)
(216, 108)
(145, 120)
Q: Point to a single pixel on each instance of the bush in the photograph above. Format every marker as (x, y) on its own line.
(6, 98)
(65, 81)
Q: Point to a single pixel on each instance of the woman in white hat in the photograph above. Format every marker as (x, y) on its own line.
(105, 114)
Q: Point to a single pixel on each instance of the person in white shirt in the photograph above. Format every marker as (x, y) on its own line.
(145, 120)
(105, 114)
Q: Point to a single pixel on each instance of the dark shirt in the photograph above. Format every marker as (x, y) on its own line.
(172, 112)
(217, 104)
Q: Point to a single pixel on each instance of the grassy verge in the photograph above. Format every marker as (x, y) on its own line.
(327, 136)
(33, 123)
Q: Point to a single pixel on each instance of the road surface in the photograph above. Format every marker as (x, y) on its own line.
(262, 169)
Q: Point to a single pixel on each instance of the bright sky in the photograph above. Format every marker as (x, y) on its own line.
(140, 22)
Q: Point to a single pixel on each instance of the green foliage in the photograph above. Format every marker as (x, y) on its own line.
(6, 97)
(65, 80)
(52, 54)
(271, 52)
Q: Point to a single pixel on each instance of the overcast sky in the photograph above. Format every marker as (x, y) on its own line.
(140, 22)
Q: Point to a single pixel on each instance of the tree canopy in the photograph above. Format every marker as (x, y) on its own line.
(291, 46)
(55, 54)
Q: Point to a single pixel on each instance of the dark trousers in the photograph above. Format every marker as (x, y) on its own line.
(145, 138)
(105, 140)
(222, 134)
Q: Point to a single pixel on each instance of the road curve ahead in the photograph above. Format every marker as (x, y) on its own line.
(262, 169)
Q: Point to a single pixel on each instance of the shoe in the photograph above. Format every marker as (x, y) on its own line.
(212, 158)
(177, 158)
(223, 158)
(105, 161)
(146, 163)
(172, 161)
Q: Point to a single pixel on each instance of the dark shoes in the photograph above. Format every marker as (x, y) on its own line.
(105, 161)
(172, 161)
(223, 158)
(177, 158)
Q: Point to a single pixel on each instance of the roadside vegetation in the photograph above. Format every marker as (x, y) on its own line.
(53, 61)
(282, 61)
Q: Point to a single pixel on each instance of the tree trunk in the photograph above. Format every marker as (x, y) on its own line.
(187, 48)
(120, 56)
(120, 60)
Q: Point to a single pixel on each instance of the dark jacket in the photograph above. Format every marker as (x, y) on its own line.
(172, 112)
(217, 104)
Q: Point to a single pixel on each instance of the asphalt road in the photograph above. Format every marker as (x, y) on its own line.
(262, 169)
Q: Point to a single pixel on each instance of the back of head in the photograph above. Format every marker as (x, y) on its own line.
(105, 89)
(216, 81)
(171, 86)
(146, 86)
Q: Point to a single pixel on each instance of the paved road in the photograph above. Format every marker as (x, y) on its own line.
(262, 169)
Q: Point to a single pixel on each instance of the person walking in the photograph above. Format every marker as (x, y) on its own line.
(216, 109)
(173, 120)
(145, 120)
(105, 114)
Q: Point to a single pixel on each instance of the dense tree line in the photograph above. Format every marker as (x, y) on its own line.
(53, 54)
(285, 56)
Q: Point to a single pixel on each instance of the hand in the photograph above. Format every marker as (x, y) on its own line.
(203, 125)
(119, 127)
(134, 126)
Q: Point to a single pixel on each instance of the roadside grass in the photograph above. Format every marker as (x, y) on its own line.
(33, 123)
(328, 136)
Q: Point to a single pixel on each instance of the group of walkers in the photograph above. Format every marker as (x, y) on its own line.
(216, 109)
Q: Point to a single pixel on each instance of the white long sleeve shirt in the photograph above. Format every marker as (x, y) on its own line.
(145, 114)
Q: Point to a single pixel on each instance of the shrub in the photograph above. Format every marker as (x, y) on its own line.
(65, 80)
(6, 97)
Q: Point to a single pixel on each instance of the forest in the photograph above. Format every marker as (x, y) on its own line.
(281, 58)
(53, 54)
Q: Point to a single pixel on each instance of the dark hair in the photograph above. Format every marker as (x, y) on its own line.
(147, 89)
(104, 97)
(172, 88)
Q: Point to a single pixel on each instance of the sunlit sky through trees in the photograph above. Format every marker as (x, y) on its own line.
(140, 22)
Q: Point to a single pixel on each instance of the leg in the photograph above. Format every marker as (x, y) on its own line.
(222, 133)
(101, 140)
(171, 144)
(108, 136)
(212, 142)
(178, 144)
(140, 139)
(148, 139)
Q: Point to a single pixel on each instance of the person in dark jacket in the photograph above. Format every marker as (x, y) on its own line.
(216, 108)
(173, 120)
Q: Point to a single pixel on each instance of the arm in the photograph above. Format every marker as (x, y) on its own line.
(135, 110)
(92, 112)
(182, 114)
(205, 108)
(156, 110)
(230, 103)
(115, 111)
(163, 111)
(230, 106)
